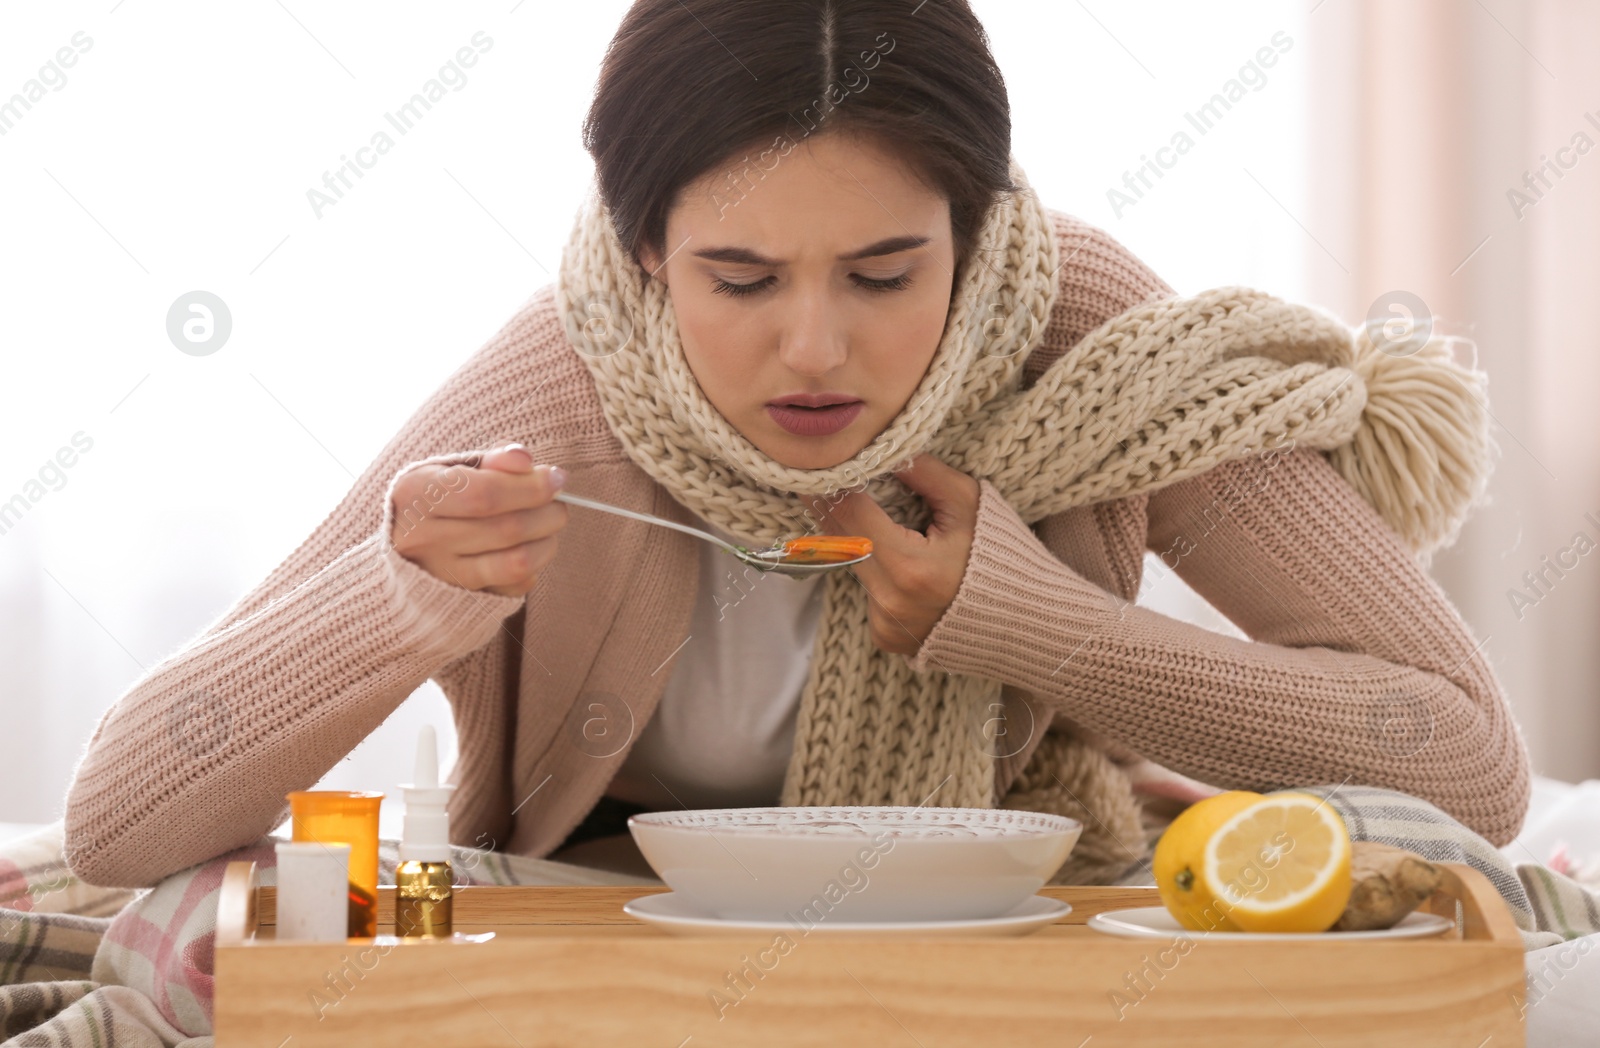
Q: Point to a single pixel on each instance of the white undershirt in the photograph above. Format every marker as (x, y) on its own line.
(724, 729)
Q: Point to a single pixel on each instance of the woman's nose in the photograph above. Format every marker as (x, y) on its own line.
(813, 341)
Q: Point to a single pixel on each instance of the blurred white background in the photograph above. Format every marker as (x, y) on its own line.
(178, 153)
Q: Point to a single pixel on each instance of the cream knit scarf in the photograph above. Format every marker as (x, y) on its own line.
(1162, 392)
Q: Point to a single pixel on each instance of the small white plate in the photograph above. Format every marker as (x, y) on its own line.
(1154, 922)
(670, 912)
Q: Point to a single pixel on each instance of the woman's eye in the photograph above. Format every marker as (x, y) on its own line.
(723, 287)
(899, 283)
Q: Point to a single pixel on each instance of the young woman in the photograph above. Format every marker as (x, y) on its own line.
(815, 291)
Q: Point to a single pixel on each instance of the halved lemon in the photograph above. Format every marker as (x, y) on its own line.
(1280, 865)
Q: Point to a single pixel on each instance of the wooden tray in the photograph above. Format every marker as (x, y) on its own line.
(567, 967)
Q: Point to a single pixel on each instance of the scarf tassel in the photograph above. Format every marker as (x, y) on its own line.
(1422, 453)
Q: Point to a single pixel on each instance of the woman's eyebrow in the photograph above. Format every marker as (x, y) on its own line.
(745, 257)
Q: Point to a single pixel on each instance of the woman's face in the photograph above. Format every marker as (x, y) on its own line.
(831, 275)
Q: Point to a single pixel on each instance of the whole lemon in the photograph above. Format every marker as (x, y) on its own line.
(1179, 860)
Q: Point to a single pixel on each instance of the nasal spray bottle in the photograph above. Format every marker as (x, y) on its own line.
(422, 881)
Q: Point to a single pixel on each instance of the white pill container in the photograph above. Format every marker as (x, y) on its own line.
(313, 891)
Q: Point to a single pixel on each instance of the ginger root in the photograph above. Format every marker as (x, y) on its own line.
(1386, 884)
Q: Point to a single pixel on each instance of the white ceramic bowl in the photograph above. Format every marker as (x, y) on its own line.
(808, 865)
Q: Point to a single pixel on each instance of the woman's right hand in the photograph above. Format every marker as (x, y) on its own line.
(491, 527)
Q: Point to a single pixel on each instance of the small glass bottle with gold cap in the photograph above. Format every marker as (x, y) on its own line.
(422, 902)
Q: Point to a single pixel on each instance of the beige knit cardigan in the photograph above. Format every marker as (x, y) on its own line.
(1349, 638)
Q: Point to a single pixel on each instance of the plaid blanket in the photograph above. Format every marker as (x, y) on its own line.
(98, 967)
(103, 967)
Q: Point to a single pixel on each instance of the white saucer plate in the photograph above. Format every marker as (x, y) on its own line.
(672, 913)
(1154, 922)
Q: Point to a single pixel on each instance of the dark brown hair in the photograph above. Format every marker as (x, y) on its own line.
(688, 85)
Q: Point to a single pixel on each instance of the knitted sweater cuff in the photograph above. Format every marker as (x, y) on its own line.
(1018, 607)
(431, 616)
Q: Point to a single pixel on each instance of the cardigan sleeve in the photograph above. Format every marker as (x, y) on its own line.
(196, 757)
(1357, 668)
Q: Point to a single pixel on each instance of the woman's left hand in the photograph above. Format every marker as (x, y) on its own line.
(911, 576)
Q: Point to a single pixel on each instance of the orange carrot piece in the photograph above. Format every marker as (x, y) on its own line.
(825, 549)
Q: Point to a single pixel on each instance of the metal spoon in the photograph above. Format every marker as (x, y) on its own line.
(763, 560)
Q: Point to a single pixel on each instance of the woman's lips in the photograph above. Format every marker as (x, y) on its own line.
(815, 422)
